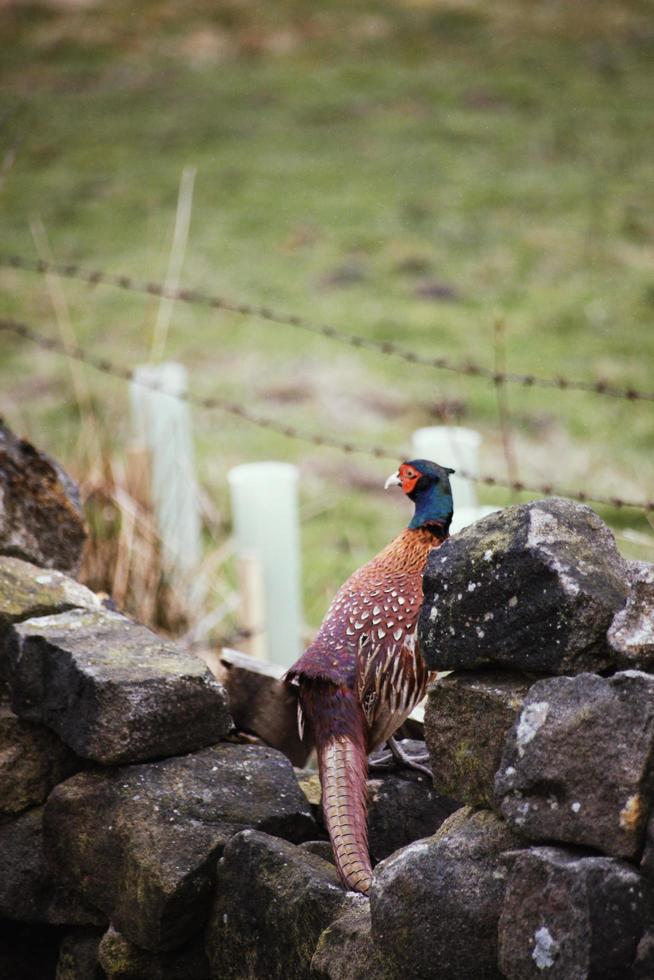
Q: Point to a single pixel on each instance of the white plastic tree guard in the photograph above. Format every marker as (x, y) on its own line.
(162, 424)
(457, 447)
(265, 511)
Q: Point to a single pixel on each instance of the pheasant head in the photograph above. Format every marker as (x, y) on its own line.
(428, 485)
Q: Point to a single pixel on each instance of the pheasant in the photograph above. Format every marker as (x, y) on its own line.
(363, 674)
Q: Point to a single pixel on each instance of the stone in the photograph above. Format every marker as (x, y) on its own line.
(113, 690)
(578, 765)
(28, 952)
(648, 854)
(273, 901)
(635, 569)
(309, 782)
(122, 960)
(41, 518)
(78, 956)
(322, 848)
(141, 842)
(345, 951)
(533, 587)
(568, 915)
(435, 904)
(403, 807)
(262, 704)
(29, 890)
(467, 719)
(631, 633)
(644, 964)
(32, 761)
(27, 590)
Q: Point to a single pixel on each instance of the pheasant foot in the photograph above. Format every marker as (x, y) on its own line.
(385, 759)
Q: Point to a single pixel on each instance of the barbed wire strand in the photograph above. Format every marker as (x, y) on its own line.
(598, 386)
(107, 367)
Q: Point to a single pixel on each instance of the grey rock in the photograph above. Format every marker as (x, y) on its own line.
(631, 633)
(435, 905)
(635, 569)
(578, 765)
(27, 590)
(467, 719)
(122, 960)
(533, 587)
(569, 915)
(321, 848)
(78, 956)
(345, 951)
(309, 782)
(262, 704)
(403, 807)
(141, 842)
(41, 519)
(32, 761)
(29, 890)
(273, 901)
(111, 689)
(644, 965)
(648, 854)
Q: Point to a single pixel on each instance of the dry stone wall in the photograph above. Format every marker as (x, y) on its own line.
(143, 837)
(547, 721)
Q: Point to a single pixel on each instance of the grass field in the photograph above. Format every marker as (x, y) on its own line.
(413, 171)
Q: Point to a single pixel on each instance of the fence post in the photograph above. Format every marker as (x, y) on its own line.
(266, 525)
(252, 606)
(162, 424)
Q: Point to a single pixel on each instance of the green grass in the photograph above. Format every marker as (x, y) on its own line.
(346, 155)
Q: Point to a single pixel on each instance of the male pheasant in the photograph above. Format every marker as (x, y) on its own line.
(363, 675)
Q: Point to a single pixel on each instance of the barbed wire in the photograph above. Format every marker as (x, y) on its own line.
(105, 366)
(108, 367)
(598, 386)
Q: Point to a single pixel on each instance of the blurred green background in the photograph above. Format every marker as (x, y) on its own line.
(414, 170)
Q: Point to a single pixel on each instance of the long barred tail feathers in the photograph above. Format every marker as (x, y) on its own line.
(338, 726)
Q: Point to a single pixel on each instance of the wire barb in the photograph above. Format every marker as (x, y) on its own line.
(107, 367)
(598, 386)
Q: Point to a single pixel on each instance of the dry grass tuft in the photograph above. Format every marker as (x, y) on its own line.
(124, 558)
(123, 554)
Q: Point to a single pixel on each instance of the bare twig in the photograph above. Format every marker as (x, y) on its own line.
(89, 438)
(175, 262)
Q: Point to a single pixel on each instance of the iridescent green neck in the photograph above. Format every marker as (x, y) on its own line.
(434, 505)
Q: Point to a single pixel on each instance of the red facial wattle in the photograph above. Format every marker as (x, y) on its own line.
(408, 478)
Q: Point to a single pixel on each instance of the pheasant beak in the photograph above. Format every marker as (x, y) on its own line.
(393, 481)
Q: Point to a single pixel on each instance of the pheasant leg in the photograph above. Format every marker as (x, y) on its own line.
(382, 760)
